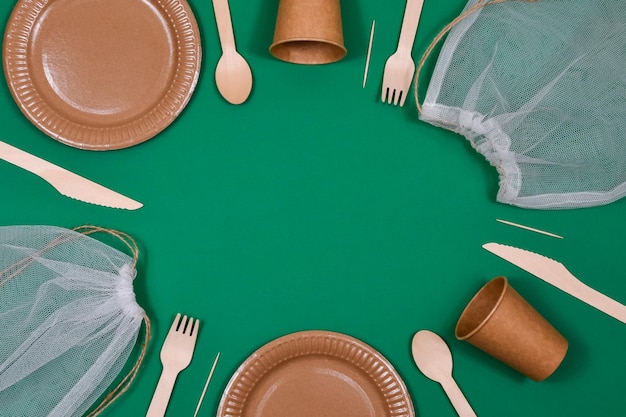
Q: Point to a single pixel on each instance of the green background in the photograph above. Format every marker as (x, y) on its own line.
(315, 206)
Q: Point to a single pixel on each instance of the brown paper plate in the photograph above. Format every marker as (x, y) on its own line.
(102, 74)
(312, 374)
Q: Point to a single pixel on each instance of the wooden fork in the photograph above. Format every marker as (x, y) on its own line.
(175, 356)
(400, 67)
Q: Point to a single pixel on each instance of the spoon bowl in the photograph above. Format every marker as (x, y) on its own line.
(432, 355)
(233, 77)
(434, 359)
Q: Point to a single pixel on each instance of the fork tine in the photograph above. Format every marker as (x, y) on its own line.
(391, 96)
(394, 96)
(175, 324)
(192, 325)
(399, 98)
(403, 98)
(388, 95)
(184, 323)
(187, 326)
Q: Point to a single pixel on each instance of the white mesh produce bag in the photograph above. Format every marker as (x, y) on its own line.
(68, 321)
(539, 88)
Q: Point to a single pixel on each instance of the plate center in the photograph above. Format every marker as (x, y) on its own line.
(102, 61)
(313, 386)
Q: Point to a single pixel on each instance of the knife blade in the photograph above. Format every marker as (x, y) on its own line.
(556, 274)
(66, 182)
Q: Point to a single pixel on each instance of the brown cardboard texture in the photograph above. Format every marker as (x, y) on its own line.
(308, 32)
(500, 322)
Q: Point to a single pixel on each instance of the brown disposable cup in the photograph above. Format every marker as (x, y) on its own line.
(500, 322)
(308, 32)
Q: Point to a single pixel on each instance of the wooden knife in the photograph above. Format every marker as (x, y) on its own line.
(555, 273)
(66, 182)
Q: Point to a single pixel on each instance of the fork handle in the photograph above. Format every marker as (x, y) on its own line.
(411, 19)
(162, 393)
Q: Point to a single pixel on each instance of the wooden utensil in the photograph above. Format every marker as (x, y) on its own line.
(556, 273)
(434, 359)
(400, 67)
(176, 355)
(232, 74)
(66, 182)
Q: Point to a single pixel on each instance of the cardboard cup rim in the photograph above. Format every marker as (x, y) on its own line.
(330, 42)
(488, 316)
(308, 39)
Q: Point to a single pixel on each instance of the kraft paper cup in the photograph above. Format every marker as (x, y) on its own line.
(308, 32)
(500, 322)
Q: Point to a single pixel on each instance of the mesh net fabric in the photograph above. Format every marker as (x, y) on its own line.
(539, 88)
(68, 317)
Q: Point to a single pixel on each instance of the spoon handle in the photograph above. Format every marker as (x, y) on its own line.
(458, 400)
(224, 24)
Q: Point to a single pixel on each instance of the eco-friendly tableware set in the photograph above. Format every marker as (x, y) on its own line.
(303, 373)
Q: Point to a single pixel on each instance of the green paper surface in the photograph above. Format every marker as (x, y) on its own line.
(314, 206)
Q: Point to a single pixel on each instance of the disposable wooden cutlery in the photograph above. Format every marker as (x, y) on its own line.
(66, 182)
(432, 356)
(400, 67)
(176, 355)
(232, 74)
(555, 273)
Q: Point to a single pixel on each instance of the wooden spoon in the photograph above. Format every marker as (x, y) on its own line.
(232, 74)
(432, 356)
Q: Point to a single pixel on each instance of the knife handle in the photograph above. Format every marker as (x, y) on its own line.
(598, 300)
(23, 159)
